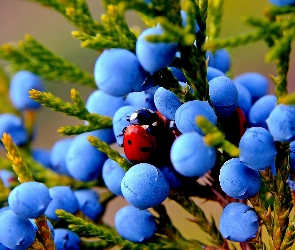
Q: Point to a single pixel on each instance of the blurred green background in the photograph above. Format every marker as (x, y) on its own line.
(20, 17)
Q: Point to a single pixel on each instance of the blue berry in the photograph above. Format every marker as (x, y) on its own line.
(174, 179)
(62, 198)
(103, 104)
(29, 199)
(210, 59)
(244, 98)
(292, 157)
(291, 184)
(34, 224)
(255, 142)
(2, 247)
(120, 121)
(222, 60)
(256, 83)
(166, 102)
(219, 60)
(154, 56)
(178, 74)
(143, 99)
(89, 203)
(118, 71)
(58, 155)
(223, 95)
(50, 226)
(190, 155)
(239, 181)
(112, 175)
(66, 240)
(134, 224)
(238, 222)
(144, 186)
(3, 209)
(7, 177)
(81, 167)
(42, 156)
(282, 3)
(212, 73)
(16, 232)
(260, 111)
(106, 135)
(185, 116)
(281, 123)
(13, 125)
(20, 84)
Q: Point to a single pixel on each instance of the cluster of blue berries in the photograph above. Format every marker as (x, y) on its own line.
(29, 201)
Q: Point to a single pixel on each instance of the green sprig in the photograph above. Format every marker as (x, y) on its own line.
(93, 244)
(281, 56)
(114, 32)
(77, 109)
(274, 11)
(262, 33)
(287, 99)
(110, 152)
(86, 228)
(99, 42)
(13, 155)
(282, 197)
(106, 234)
(264, 214)
(78, 129)
(214, 137)
(173, 33)
(289, 238)
(32, 56)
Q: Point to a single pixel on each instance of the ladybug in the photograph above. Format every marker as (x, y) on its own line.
(143, 143)
(145, 117)
(140, 145)
(242, 121)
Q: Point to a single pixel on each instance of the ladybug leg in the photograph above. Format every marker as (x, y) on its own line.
(128, 118)
(123, 131)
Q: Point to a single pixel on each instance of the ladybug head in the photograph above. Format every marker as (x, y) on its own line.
(144, 117)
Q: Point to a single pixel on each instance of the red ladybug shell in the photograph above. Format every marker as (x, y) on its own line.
(242, 119)
(139, 145)
(164, 121)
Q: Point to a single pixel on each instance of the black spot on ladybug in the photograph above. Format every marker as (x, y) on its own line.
(129, 142)
(145, 149)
